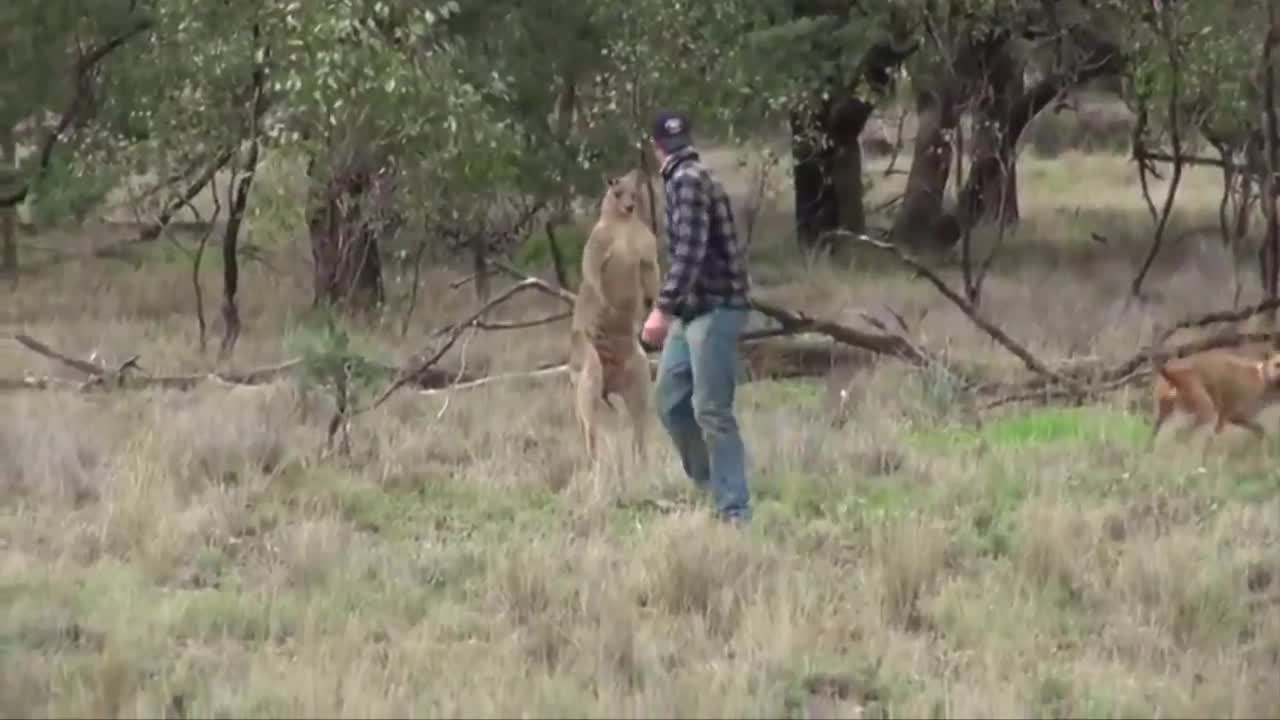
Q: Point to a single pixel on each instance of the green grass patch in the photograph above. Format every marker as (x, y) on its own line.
(1047, 426)
(796, 394)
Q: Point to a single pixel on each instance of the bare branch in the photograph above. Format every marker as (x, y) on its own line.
(196, 288)
(84, 66)
(100, 375)
(1175, 138)
(522, 324)
(236, 211)
(40, 348)
(1220, 316)
(506, 377)
(971, 312)
(1270, 256)
(452, 333)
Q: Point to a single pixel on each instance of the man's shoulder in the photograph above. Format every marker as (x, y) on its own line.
(691, 169)
(694, 177)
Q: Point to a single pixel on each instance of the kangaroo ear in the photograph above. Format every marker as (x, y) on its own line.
(611, 181)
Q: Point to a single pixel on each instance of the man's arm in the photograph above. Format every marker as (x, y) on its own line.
(690, 225)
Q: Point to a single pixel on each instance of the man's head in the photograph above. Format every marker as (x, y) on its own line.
(671, 132)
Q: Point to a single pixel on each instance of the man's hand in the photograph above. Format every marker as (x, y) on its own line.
(655, 328)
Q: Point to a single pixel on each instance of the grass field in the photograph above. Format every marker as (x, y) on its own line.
(191, 555)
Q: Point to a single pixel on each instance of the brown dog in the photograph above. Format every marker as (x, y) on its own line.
(619, 284)
(1216, 385)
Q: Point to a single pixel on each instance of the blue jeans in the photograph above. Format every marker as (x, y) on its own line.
(694, 397)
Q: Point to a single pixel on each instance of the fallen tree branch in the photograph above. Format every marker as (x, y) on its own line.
(1100, 379)
(1029, 360)
(505, 377)
(452, 333)
(792, 323)
(522, 324)
(40, 348)
(99, 375)
(1220, 316)
(1193, 160)
(795, 322)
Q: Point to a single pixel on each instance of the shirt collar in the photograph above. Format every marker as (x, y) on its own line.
(675, 158)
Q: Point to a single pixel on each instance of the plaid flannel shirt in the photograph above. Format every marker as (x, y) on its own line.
(708, 261)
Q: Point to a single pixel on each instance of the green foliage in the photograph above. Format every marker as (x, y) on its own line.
(69, 188)
(1208, 52)
(329, 358)
(1047, 427)
(535, 255)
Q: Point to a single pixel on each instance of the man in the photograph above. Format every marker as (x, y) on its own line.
(696, 319)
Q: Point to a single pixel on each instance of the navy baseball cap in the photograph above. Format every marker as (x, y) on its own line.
(671, 131)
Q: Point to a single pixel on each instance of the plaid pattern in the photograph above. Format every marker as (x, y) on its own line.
(708, 262)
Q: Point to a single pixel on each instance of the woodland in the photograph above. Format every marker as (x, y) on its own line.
(269, 268)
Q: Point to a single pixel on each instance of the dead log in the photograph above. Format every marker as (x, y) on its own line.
(779, 358)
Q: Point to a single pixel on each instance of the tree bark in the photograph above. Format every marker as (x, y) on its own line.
(920, 223)
(828, 169)
(845, 123)
(343, 222)
(826, 155)
(991, 191)
(816, 208)
(8, 215)
(1269, 255)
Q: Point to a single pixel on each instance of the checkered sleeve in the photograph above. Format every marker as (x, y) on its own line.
(688, 229)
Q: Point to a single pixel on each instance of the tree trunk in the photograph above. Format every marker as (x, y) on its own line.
(8, 215)
(920, 223)
(1004, 110)
(343, 220)
(990, 194)
(845, 123)
(828, 170)
(1270, 252)
(815, 198)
